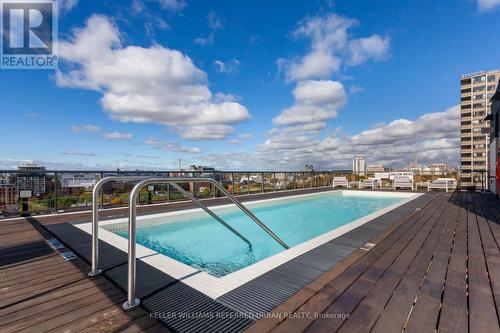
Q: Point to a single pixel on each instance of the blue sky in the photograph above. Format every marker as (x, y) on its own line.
(249, 84)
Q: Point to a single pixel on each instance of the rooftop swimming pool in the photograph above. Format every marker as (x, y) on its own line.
(198, 240)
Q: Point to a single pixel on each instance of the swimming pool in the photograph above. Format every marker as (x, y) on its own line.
(197, 250)
(198, 240)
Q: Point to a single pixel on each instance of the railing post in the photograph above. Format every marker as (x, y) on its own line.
(262, 182)
(248, 183)
(132, 301)
(55, 192)
(232, 182)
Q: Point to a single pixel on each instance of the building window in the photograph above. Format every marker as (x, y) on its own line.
(478, 113)
(491, 78)
(491, 88)
(479, 105)
(479, 88)
(466, 81)
(478, 97)
(466, 106)
(489, 96)
(465, 91)
(479, 79)
(463, 99)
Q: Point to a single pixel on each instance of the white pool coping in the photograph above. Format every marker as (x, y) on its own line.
(215, 287)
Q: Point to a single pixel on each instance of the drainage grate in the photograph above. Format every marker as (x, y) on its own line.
(55, 243)
(69, 255)
(367, 247)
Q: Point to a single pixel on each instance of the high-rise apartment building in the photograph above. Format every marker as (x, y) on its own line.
(32, 178)
(476, 90)
(359, 165)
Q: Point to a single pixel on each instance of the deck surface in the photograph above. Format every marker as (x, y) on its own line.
(437, 271)
(436, 268)
(40, 291)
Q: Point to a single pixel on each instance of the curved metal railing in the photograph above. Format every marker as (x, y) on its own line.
(132, 301)
(95, 217)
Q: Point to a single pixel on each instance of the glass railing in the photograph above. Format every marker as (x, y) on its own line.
(50, 192)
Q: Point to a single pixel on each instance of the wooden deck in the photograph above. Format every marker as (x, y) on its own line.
(40, 291)
(438, 270)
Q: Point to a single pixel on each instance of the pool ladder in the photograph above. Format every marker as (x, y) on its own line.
(132, 301)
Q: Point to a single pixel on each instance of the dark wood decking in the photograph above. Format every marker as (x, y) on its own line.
(438, 270)
(40, 291)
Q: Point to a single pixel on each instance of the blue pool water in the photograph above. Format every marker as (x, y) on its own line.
(200, 241)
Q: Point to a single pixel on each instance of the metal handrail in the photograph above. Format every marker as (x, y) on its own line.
(211, 213)
(95, 217)
(132, 301)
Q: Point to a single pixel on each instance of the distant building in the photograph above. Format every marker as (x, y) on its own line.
(413, 165)
(476, 90)
(31, 177)
(200, 168)
(372, 168)
(8, 197)
(494, 117)
(435, 169)
(359, 165)
(309, 168)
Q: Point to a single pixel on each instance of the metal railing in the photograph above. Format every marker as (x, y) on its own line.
(132, 301)
(95, 218)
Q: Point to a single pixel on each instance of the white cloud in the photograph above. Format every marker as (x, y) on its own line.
(85, 128)
(117, 136)
(332, 46)
(171, 146)
(437, 125)
(173, 5)
(374, 47)
(67, 5)
(241, 139)
(315, 102)
(205, 132)
(76, 153)
(227, 67)
(204, 41)
(487, 5)
(143, 85)
(432, 137)
(214, 21)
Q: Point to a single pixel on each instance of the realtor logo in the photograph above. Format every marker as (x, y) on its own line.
(29, 34)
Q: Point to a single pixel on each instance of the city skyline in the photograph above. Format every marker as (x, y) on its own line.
(316, 86)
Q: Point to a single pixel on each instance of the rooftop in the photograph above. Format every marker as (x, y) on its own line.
(430, 264)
